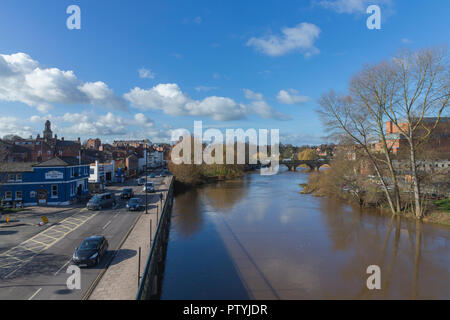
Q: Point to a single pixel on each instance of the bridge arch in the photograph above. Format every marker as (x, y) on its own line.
(312, 164)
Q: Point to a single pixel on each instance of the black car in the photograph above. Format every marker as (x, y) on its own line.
(91, 250)
(126, 193)
(134, 204)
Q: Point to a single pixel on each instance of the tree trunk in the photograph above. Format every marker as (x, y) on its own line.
(416, 187)
(393, 173)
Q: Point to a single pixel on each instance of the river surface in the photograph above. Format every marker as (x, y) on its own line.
(259, 238)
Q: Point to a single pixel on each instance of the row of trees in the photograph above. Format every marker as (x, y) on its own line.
(404, 90)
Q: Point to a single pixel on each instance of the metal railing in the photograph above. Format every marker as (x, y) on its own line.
(150, 283)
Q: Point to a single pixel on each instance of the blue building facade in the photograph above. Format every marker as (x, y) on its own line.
(53, 182)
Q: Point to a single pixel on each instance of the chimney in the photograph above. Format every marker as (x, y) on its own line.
(62, 138)
(79, 140)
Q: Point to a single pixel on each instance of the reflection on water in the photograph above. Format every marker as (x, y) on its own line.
(258, 238)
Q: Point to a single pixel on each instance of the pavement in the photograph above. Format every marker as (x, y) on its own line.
(34, 260)
(120, 281)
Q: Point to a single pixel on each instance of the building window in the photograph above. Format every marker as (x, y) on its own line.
(19, 177)
(8, 195)
(18, 195)
(10, 177)
(54, 191)
(32, 194)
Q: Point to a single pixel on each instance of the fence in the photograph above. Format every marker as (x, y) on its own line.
(151, 281)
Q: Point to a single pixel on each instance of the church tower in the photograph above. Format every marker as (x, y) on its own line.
(47, 134)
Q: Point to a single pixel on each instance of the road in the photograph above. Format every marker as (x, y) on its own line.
(36, 268)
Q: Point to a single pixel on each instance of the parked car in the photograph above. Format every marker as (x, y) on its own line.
(127, 193)
(149, 187)
(141, 181)
(100, 201)
(134, 204)
(151, 175)
(90, 252)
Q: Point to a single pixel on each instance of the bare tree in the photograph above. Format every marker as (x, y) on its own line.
(345, 119)
(375, 89)
(423, 89)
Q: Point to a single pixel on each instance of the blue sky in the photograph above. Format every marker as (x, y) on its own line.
(138, 69)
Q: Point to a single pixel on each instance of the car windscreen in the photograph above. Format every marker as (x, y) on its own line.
(89, 244)
(133, 201)
(95, 199)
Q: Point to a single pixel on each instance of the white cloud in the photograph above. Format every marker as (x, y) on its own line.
(12, 125)
(146, 74)
(249, 94)
(351, 6)
(23, 80)
(89, 124)
(260, 107)
(300, 38)
(197, 20)
(205, 88)
(171, 100)
(143, 121)
(291, 96)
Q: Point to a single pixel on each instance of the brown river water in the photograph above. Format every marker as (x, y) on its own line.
(259, 238)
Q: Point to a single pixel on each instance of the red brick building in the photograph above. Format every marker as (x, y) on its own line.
(93, 144)
(438, 142)
(49, 146)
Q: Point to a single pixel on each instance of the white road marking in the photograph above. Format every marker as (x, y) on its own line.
(11, 273)
(31, 298)
(106, 225)
(15, 251)
(63, 267)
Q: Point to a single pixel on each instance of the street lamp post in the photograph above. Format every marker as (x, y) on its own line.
(146, 174)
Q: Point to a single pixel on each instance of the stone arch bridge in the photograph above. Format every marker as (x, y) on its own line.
(312, 164)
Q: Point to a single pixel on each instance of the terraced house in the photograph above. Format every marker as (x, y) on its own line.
(58, 181)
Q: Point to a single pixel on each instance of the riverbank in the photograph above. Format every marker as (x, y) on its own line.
(438, 212)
